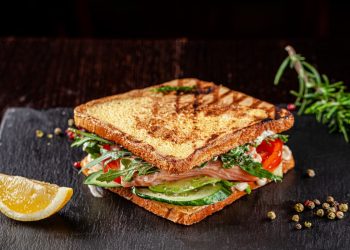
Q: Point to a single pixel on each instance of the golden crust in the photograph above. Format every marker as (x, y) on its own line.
(258, 115)
(186, 215)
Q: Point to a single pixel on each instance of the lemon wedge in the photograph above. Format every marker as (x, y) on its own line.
(30, 200)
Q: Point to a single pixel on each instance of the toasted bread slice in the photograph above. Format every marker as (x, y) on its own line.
(186, 215)
(178, 131)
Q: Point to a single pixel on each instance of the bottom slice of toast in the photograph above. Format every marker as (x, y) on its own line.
(187, 215)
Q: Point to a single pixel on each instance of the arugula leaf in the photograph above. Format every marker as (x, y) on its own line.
(107, 155)
(238, 157)
(89, 142)
(248, 190)
(166, 89)
(83, 137)
(92, 148)
(130, 167)
(228, 184)
(233, 157)
(283, 138)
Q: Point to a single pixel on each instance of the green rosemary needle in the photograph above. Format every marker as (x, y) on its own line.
(317, 95)
(166, 89)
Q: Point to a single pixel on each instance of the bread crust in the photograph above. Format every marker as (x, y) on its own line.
(282, 120)
(188, 215)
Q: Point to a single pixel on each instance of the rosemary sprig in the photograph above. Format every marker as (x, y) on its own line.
(317, 95)
(167, 89)
(238, 157)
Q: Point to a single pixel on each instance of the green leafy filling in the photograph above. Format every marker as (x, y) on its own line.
(167, 89)
(93, 145)
(239, 157)
(131, 167)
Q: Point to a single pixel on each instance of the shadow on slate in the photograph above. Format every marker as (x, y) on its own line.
(115, 223)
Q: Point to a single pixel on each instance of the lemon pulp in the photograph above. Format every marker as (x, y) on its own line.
(24, 199)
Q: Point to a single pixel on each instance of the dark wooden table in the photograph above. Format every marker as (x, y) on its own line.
(44, 73)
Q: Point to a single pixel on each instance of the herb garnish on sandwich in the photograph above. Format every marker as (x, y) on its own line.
(183, 149)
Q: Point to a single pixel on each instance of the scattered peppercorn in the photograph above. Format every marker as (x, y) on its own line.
(343, 207)
(271, 215)
(320, 212)
(299, 207)
(331, 209)
(309, 204)
(311, 173)
(39, 133)
(77, 164)
(307, 224)
(295, 218)
(57, 131)
(330, 199)
(317, 202)
(325, 205)
(331, 215)
(49, 136)
(291, 107)
(340, 215)
(70, 122)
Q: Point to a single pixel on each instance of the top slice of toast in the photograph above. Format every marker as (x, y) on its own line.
(177, 131)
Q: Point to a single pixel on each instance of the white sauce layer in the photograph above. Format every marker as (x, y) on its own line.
(286, 153)
(263, 136)
(96, 191)
(261, 182)
(241, 186)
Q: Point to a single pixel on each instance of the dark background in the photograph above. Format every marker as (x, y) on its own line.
(173, 19)
(63, 53)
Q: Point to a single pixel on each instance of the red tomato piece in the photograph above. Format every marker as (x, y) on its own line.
(112, 165)
(118, 180)
(271, 153)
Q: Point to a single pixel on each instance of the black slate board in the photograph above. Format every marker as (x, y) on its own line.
(114, 223)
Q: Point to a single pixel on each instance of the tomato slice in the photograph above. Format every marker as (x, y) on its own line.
(118, 180)
(271, 153)
(112, 165)
(107, 147)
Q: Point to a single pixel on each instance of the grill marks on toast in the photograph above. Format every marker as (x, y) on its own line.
(177, 101)
(177, 131)
(190, 105)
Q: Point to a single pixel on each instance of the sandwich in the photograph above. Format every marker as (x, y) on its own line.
(183, 149)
